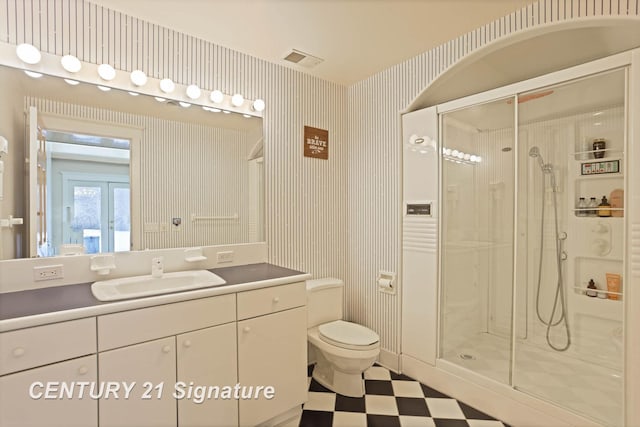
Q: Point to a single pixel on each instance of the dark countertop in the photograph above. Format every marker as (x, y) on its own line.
(60, 298)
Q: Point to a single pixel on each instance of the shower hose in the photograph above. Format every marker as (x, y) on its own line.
(559, 296)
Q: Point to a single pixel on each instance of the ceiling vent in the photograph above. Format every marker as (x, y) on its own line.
(303, 59)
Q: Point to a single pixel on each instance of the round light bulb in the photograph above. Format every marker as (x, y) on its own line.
(159, 99)
(28, 53)
(71, 63)
(246, 116)
(138, 78)
(454, 153)
(33, 74)
(467, 156)
(133, 93)
(104, 88)
(184, 104)
(72, 82)
(226, 112)
(167, 85)
(478, 159)
(473, 158)
(237, 100)
(106, 72)
(461, 155)
(216, 96)
(193, 91)
(258, 105)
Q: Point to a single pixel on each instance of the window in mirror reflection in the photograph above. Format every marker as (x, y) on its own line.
(88, 190)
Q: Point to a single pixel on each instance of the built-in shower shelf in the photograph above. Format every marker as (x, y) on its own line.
(598, 217)
(593, 306)
(616, 175)
(582, 290)
(606, 150)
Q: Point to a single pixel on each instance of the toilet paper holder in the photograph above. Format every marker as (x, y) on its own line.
(386, 282)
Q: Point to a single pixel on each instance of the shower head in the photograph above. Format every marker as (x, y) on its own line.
(535, 153)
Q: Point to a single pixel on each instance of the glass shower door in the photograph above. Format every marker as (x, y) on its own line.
(477, 237)
(568, 346)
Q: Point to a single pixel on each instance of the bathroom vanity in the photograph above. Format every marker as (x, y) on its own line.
(229, 355)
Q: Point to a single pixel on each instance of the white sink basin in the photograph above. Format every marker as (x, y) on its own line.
(142, 286)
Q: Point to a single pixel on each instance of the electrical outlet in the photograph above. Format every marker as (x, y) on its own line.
(223, 257)
(48, 272)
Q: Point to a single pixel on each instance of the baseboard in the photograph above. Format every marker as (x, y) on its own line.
(498, 400)
(389, 360)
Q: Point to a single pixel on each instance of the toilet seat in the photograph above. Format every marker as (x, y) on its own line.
(348, 335)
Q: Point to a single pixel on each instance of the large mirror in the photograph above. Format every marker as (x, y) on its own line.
(109, 171)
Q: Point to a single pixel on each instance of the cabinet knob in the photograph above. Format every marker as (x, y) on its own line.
(82, 370)
(166, 348)
(246, 329)
(276, 299)
(187, 343)
(18, 352)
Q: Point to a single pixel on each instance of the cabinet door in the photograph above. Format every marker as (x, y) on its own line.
(20, 409)
(272, 351)
(207, 360)
(151, 369)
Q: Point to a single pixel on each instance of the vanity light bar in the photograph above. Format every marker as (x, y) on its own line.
(457, 156)
(104, 75)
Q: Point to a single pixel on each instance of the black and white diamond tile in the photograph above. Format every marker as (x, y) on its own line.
(390, 400)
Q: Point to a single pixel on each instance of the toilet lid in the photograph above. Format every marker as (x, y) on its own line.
(348, 335)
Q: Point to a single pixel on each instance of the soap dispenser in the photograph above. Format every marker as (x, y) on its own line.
(157, 267)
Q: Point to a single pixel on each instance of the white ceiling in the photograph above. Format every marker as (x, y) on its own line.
(356, 38)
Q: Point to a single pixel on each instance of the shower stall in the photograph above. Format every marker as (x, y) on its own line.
(530, 268)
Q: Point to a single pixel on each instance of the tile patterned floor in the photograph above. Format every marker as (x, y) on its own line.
(391, 400)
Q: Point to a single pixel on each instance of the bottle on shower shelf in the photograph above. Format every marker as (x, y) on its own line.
(593, 207)
(592, 290)
(581, 207)
(604, 208)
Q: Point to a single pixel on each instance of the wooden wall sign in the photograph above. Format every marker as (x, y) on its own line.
(316, 143)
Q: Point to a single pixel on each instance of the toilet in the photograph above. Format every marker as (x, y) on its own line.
(344, 350)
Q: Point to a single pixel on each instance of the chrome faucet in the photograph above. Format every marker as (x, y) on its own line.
(157, 267)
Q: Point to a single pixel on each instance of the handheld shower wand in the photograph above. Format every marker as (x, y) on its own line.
(559, 304)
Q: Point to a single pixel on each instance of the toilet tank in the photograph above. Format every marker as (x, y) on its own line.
(324, 300)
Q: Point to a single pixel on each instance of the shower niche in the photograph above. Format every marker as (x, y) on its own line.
(517, 247)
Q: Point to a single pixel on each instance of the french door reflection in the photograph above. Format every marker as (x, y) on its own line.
(97, 215)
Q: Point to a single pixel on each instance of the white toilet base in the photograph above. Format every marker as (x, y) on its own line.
(346, 384)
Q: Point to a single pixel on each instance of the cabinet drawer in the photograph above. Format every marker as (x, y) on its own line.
(135, 326)
(270, 300)
(41, 345)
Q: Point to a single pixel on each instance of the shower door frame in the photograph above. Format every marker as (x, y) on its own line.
(631, 324)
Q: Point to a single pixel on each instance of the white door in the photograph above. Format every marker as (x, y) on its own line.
(272, 351)
(207, 358)
(150, 369)
(20, 409)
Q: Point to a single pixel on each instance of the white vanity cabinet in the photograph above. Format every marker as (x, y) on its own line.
(194, 349)
(272, 349)
(201, 362)
(36, 362)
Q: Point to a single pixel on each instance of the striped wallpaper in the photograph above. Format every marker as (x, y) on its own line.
(337, 217)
